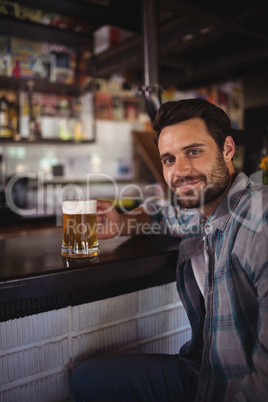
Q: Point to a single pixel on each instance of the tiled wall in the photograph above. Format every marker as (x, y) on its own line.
(113, 148)
(38, 352)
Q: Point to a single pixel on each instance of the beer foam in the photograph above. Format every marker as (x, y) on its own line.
(77, 207)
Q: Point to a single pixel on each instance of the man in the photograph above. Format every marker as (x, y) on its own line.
(222, 273)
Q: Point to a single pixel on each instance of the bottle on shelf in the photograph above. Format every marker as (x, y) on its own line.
(31, 136)
(79, 133)
(34, 112)
(65, 133)
(5, 131)
(14, 121)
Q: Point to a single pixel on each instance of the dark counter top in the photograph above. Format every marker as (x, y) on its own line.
(9, 218)
(34, 277)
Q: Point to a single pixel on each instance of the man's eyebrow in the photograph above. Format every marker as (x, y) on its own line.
(193, 145)
(164, 155)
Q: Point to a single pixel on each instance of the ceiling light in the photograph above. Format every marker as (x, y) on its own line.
(206, 30)
(187, 37)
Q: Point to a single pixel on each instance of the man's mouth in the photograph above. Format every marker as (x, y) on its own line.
(187, 185)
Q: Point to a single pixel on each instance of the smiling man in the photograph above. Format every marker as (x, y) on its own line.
(194, 166)
(222, 272)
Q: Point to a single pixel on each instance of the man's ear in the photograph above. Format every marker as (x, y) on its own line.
(229, 149)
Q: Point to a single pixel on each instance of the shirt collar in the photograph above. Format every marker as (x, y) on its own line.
(222, 214)
(192, 243)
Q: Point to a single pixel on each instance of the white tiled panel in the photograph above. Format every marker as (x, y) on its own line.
(38, 352)
(113, 144)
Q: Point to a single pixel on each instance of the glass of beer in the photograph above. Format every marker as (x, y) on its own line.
(79, 220)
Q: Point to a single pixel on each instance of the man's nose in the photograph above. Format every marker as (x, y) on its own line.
(182, 167)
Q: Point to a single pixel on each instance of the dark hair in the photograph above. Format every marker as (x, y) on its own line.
(216, 120)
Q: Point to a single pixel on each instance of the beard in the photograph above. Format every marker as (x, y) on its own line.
(215, 182)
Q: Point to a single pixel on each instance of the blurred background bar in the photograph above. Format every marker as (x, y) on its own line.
(80, 83)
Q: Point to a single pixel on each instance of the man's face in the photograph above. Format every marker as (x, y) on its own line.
(193, 165)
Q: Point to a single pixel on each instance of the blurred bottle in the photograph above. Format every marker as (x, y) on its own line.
(79, 133)
(14, 121)
(31, 136)
(37, 114)
(64, 129)
(5, 131)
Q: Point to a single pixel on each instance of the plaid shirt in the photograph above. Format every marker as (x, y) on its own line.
(229, 345)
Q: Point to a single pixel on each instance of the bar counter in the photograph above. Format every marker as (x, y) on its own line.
(34, 277)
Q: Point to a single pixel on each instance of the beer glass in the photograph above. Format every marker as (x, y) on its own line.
(79, 220)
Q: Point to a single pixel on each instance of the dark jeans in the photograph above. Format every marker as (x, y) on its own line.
(134, 378)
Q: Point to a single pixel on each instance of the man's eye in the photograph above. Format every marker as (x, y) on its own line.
(193, 152)
(168, 161)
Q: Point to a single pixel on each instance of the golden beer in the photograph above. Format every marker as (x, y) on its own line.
(79, 220)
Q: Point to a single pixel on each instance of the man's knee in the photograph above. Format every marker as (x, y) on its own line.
(80, 381)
